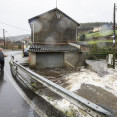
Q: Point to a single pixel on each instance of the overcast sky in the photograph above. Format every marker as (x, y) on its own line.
(17, 12)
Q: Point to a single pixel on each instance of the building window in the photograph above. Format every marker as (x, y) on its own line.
(58, 15)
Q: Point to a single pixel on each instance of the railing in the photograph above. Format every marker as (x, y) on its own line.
(85, 105)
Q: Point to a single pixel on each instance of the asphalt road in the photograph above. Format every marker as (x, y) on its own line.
(16, 100)
(12, 104)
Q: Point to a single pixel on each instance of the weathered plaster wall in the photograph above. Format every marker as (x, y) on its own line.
(71, 59)
(74, 59)
(50, 29)
(32, 60)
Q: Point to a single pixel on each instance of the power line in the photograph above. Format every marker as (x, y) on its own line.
(13, 26)
(8, 34)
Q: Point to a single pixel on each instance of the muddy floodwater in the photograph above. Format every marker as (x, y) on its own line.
(96, 83)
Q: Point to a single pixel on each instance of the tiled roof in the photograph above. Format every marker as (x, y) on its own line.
(52, 48)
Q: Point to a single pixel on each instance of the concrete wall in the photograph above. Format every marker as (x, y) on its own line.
(32, 60)
(74, 59)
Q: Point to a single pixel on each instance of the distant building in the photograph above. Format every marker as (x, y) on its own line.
(102, 27)
(1, 42)
(26, 42)
(98, 28)
(52, 34)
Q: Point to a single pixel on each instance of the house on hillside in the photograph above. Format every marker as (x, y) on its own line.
(54, 36)
(96, 29)
(103, 27)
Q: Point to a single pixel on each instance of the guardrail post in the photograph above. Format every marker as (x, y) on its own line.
(13, 57)
(16, 70)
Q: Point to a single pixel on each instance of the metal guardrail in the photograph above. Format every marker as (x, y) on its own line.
(85, 105)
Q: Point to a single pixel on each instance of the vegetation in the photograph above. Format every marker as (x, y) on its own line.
(100, 50)
(90, 26)
(19, 46)
(82, 37)
(99, 34)
(92, 42)
(99, 42)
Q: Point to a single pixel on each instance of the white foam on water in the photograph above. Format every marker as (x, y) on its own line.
(107, 82)
(85, 76)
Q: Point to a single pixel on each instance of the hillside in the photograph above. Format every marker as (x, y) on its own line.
(17, 38)
(99, 34)
(92, 25)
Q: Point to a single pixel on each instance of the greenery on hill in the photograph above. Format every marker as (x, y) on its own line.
(90, 26)
(86, 31)
(100, 42)
(99, 34)
(96, 36)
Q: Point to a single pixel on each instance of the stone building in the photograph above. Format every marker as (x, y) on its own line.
(54, 36)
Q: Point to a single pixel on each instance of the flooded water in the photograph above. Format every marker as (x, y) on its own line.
(72, 80)
(96, 83)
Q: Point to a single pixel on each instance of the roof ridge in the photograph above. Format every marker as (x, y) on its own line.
(38, 16)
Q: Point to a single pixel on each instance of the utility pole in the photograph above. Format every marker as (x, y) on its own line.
(114, 35)
(4, 37)
(56, 3)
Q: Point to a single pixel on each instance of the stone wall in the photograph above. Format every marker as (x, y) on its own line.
(74, 59)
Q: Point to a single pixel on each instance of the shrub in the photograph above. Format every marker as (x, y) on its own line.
(82, 37)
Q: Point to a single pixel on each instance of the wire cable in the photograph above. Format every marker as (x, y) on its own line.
(8, 34)
(14, 26)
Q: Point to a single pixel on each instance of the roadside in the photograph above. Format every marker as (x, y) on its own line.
(37, 104)
(11, 102)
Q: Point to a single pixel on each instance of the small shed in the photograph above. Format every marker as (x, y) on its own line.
(51, 33)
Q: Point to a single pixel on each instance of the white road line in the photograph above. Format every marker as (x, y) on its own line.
(31, 104)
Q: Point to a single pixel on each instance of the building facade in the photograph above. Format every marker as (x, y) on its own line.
(51, 33)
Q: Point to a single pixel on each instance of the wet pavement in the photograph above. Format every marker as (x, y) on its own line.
(17, 100)
(11, 102)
